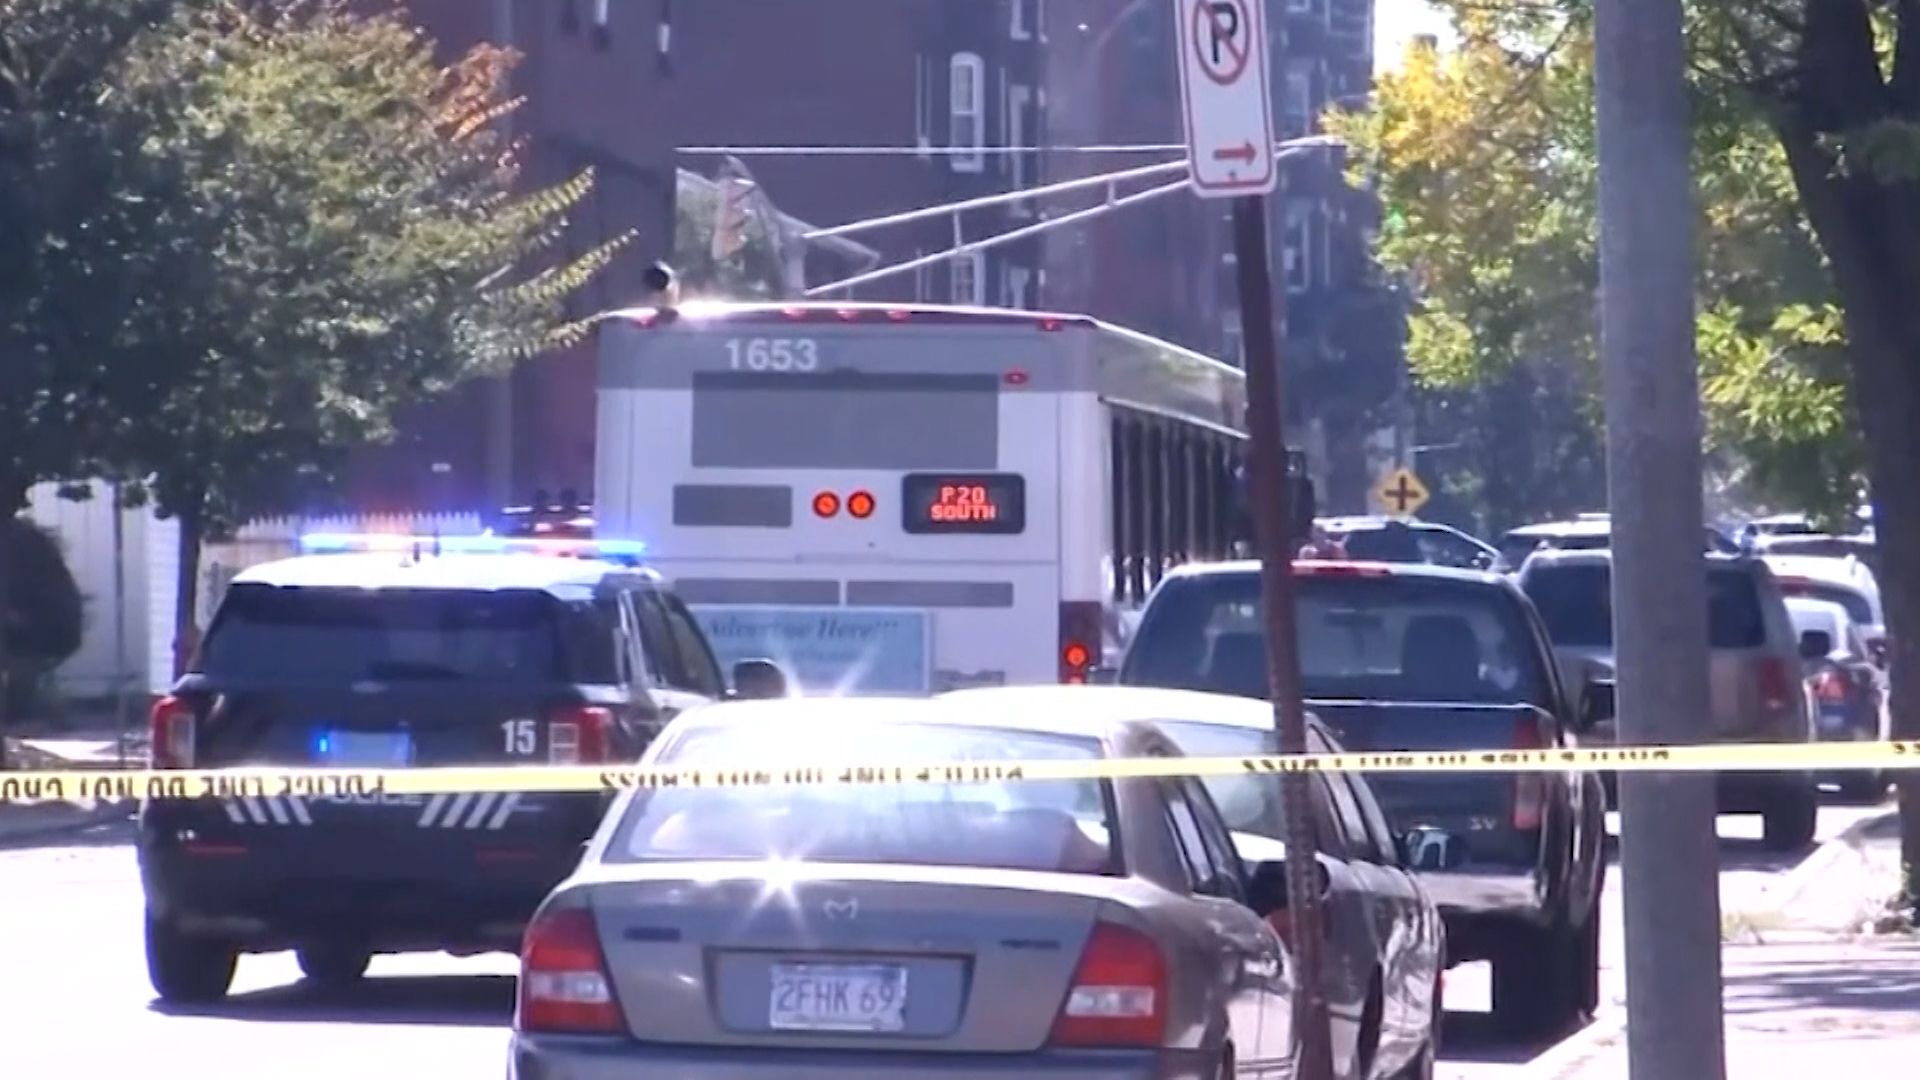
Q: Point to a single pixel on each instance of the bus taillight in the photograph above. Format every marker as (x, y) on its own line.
(826, 504)
(860, 504)
(1080, 626)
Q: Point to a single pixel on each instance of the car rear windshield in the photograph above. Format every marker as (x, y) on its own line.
(1390, 637)
(1576, 603)
(1248, 802)
(1859, 609)
(1058, 826)
(326, 635)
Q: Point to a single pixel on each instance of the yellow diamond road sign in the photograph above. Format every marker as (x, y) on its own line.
(1401, 492)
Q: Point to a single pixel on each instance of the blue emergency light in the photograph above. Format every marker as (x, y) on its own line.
(402, 543)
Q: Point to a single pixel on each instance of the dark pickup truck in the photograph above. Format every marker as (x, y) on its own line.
(1413, 657)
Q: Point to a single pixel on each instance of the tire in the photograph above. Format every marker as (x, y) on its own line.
(1791, 819)
(1538, 984)
(1586, 968)
(187, 970)
(333, 966)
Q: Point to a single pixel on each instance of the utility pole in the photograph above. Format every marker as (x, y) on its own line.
(1273, 534)
(1224, 80)
(1669, 847)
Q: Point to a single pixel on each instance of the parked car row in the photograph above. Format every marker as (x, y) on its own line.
(1128, 928)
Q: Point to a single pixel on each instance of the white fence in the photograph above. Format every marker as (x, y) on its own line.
(128, 573)
(267, 539)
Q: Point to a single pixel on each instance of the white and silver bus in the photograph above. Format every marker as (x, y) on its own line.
(910, 499)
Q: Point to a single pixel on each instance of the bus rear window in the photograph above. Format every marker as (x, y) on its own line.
(845, 420)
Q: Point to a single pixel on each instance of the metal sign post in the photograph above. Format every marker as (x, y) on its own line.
(1229, 119)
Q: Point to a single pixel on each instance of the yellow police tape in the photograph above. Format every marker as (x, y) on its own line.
(70, 785)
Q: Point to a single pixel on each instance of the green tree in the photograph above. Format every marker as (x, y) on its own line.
(1485, 158)
(1807, 125)
(337, 230)
(66, 249)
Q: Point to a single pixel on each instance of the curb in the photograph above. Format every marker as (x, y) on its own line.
(1565, 1059)
(33, 832)
(1795, 883)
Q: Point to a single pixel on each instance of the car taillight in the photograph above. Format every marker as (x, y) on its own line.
(1830, 686)
(1529, 790)
(580, 735)
(1119, 992)
(170, 734)
(564, 984)
(1080, 634)
(1776, 684)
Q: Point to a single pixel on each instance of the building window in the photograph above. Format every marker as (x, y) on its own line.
(1297, 245)
(1022, 28)
(966, 112)
(1013, 292)
(968, 276)
(923, 104)
(1296, 110)
(1019, 165)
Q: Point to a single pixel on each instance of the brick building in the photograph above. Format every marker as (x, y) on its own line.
(619, 85)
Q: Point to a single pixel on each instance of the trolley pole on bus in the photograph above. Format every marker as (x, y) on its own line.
(1230, 148)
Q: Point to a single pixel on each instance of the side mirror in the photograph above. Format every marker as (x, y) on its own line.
(1597, 704)
(1815, 644)
(758, 680)
(1267, 885)
(1877, 649)
(1427, 848)
(1486, 560)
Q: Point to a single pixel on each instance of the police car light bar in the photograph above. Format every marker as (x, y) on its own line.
(343, 543)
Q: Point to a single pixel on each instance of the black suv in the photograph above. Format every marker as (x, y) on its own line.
(1417, 657)
(422, 654)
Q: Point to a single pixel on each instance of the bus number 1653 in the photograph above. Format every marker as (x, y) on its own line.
(772, 354)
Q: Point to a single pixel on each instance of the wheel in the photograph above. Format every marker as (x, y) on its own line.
(333, 965)
(1791, 819)
(187, 970)
(1538, 983)
(1587, 966)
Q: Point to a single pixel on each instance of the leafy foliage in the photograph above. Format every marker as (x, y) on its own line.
(1487, 162)
(43, 607)
(66, 242)
(336, 233)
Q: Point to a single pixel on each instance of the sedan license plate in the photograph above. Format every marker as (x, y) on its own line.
(364, 749)
(838, 997)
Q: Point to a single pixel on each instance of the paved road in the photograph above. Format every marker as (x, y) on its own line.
(74, 994)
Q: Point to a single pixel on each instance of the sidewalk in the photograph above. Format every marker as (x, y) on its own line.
(1810, 989)
(1837, 1007)
(26, 822)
